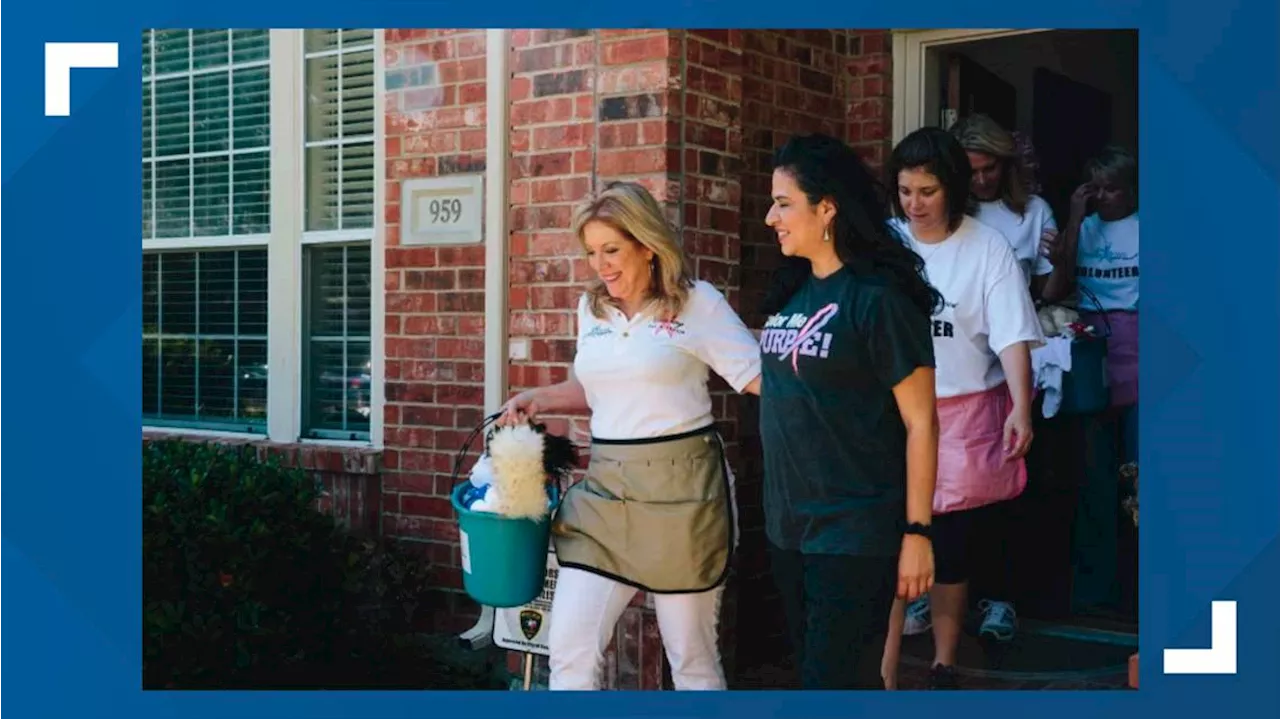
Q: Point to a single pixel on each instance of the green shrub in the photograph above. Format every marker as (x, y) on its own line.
(246, 584)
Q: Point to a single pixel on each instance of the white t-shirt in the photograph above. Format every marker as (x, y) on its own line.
(987, 306)
(644, 378)
(1107, 263)
(1023, 231)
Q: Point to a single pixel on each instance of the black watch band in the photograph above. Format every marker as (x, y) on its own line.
(923, 530)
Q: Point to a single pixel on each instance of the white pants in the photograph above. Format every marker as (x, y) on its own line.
(587, 606)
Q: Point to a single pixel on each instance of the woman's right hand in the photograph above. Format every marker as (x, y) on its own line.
(519, 409)
(1080, 202)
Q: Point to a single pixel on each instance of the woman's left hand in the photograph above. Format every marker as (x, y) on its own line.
(915, 567)
(1017, 434)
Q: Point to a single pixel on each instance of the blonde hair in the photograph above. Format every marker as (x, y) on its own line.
(979, 133)
(1118, 164)
(629, 208)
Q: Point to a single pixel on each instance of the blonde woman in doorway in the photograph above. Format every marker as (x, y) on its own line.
(655, 512)
(1003, 200)
(982, 339)
(1098, 255)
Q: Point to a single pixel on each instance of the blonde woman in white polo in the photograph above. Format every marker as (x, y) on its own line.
(655, 512)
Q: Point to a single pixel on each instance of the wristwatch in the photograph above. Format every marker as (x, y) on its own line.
(923, 530)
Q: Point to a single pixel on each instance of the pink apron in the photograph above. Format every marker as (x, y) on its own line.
(972, 470)
(1122, 354)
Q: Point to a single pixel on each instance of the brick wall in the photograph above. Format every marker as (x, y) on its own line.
(435, 125)
(868, 77)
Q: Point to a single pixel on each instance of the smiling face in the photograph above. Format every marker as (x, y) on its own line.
(924, 202)
(1112, 198)
(800, 224)
(619, 261)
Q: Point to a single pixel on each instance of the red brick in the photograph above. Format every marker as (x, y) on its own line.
(459, 349)
(626, 80)
(542, 324)
(561, 136)
(560, 190)
(631, 162)
(633, 50)
(471, 45)
(411, 504)
(471, 93)
(443, 279)
(471, 279)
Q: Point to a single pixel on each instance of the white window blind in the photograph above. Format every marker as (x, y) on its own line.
(206, 134)
(338, 222)
(206, 177)
(211, 255)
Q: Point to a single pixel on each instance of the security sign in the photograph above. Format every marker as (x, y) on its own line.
(526, 628)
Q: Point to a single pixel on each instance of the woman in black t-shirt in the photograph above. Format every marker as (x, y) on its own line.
(847, 415)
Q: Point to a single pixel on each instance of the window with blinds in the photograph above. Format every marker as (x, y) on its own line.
(206, 178)
(204, 339)
(205, 134)
(339, 160)
(207, 206)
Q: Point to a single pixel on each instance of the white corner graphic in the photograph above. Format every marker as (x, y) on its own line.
(1219, 658)
(60, 58)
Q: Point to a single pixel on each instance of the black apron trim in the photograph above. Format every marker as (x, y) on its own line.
(657, 440)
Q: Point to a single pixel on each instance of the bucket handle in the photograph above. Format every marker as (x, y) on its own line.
(1097, 303)
(461, 456)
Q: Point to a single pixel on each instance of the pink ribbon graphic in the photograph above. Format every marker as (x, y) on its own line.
(815, 323)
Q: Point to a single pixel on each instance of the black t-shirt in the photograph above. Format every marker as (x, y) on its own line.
(835, 467)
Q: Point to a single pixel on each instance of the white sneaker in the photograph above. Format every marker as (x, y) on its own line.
(999, 620)
(919, 618)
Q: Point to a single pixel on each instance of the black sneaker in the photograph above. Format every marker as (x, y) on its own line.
(943, 677)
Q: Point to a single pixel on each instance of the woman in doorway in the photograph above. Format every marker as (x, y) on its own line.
(655, 512)
(847, 414)
(1099, 255)
(1002, 199)
(982, 339)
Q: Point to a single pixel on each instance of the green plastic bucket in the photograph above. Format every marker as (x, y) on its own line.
(504, 560)
(1085, 388)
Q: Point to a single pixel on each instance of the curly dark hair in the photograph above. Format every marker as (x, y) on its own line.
(824, 167)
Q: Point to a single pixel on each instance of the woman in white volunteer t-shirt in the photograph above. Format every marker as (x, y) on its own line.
(655, 511)
(982, 340)
(1002, 200)
(1100, 249)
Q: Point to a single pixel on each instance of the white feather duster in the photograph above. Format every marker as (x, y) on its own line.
(519, 476)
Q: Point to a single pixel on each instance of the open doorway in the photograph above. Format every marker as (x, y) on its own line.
(1066, 94)
(1070, 91)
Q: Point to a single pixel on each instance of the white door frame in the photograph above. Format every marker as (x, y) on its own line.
(915, 80)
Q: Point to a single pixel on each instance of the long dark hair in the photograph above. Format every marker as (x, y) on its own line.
(825, 167)
(938, 153)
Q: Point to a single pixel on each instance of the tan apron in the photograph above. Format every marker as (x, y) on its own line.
(653, 514)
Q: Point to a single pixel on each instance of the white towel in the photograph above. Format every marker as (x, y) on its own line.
(1049, 363)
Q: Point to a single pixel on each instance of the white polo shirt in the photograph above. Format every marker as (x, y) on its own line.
(1022, 231)
(987, 306)
(645, 379)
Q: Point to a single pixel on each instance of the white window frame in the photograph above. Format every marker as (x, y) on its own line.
(284, 244)
(915, 77)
